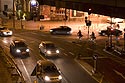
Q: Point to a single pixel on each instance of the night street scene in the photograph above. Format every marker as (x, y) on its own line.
(62, 41)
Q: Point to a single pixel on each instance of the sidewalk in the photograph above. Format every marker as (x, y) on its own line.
(8, 70)
(5, 75)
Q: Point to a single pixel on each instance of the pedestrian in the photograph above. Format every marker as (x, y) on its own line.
(93, 36)
(79, 34)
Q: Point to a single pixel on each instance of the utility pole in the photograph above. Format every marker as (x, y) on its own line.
(13, 15)
(124, 39)
(87, 21)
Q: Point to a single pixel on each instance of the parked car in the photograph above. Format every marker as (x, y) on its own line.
(4, 31)
(48, 48)
(115, 20)
(110, 32)
(62, 30)
(48, 72)
(19, 48)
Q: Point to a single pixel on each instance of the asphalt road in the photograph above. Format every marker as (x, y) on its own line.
(72, 72)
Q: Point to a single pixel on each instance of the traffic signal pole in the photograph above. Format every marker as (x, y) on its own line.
(124, 38)
(13, 14)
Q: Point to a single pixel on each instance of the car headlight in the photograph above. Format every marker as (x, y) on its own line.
(48, 52)
(57, 51)
(27, 50)
(60, 77)
(18, 51)
(4, 33)
(47, 78)
(51, 30)
(100, 31)
(11, 32)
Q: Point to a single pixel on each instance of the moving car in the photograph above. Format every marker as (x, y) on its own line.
(19, 48)
(4, 31)
(48, 48)
(48, 72)
(62, 30)
(110, 32)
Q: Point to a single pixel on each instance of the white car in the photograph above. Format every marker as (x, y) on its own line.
(5, 31)
(48, 48)
(47, 72)
(115, 20)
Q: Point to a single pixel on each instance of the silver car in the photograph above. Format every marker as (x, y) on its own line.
(48, 48)
(48, 72)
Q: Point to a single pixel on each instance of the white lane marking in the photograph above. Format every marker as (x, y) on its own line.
(65, 54)
(118, 73)
(71, 53)
(62, 49)
(26, 71)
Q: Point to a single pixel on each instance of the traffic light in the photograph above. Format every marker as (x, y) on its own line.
(88, 23)
(85, 19)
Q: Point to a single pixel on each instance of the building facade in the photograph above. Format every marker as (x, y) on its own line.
(49, 12)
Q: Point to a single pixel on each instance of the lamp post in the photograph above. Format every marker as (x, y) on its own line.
(34, 8)
(13, 15)
(124, 38)
(88, 23)
(95, 63)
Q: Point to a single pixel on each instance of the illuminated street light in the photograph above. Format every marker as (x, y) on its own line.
(34, 7)
(33, 2)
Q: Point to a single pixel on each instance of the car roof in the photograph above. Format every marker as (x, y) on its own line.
(45, 63)
(17, 41)
(64, 26)
(47, 42)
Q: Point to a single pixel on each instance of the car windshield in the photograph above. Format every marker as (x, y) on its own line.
(3, 28)
(20, 44)
(50, 68)
(50, 45)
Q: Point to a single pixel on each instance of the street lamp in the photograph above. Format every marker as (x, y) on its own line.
(34, 7)
(95, 63)
(13, 15)
(124, 38)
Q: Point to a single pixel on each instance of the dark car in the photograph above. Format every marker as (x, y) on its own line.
(48, 72)
(48, 48)
(115, 32)
(19, 48)
(62, 30)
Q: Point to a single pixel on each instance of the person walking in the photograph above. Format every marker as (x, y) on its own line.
(93, 36)
(79, 34)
